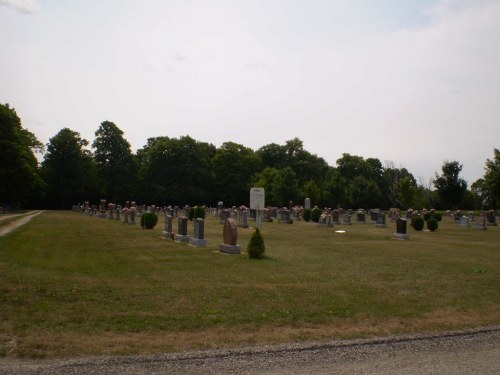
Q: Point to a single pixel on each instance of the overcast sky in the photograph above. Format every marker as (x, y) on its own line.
(414, 82)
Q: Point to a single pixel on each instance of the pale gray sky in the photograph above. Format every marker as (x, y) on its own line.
(412, 82)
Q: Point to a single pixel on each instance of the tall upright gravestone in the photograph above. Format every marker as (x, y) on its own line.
(168, 232)
(230, 234)
(401, 233)
(182, 235)
(198, 238)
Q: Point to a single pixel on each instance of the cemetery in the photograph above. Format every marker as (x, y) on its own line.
(87, 282)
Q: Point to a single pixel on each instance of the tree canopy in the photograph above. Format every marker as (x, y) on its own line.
(19, 178)
(183, 170)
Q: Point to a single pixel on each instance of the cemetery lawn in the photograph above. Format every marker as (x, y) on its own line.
(74, 285)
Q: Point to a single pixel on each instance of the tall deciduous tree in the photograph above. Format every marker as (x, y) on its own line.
(176, 171)
(449, 186)
(234, 166)
(492, 179)
(19, 179)
(68, 170)
(115, 163)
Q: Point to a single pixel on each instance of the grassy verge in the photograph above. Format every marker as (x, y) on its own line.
(75, 285)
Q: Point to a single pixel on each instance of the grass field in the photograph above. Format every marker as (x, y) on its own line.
(74, 285)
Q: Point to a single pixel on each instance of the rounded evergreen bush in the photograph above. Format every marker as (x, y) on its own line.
(149, 220)
(437, 216)
(432, 224)
(306, 214)
(417, 223)
(256, 247)
(316, 214)
(199, 212)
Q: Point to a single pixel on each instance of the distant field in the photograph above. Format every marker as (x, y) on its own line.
(73, 285)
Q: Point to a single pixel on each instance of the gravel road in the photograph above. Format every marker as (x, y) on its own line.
(13, 225)
(468, 352)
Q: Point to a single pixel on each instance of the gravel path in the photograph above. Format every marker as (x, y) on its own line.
(468, 352)
(23, 219)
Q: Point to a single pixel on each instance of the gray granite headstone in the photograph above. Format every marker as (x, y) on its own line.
(198, 238)
(182, 235)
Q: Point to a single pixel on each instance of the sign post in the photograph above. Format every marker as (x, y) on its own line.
(258, 203)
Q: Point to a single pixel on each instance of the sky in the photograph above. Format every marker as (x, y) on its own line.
(412, 83)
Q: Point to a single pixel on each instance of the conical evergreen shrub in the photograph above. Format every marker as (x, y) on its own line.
(256, 247)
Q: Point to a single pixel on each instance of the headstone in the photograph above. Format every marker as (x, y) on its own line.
(480, 223)
(168, 232)
(224, 215)
(347, 219)
(230, 234)
(118, 211)
(198, 238)
(381, 220)
(132, 215)
(182, 235)
(325, 220)
(110, 210)
(125, 215)
(267, 215)
(394, 214)
(336, 216)
(401, 230)
(285, 217)
(307, 203)
(491, 218)
(464, 222)
(361, 216)
(243, 219)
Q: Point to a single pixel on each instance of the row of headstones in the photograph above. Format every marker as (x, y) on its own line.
(480, 222)
(198, 237)
(230, 233)
(330, 217)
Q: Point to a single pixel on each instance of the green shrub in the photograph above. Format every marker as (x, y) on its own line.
(316, 214)
(256, 247)
(191, 213)
(306, 214)
(432, 224)
(417, 223)
(199, 212)
(149, 220)
(437, 216)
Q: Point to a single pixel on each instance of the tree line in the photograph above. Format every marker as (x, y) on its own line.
(180, 171)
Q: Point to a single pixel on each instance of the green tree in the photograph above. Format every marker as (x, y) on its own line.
(364, 182)
(176, 171)
(68, 170)
(406, 190)
(234, 167)
(449, 186)
(19, 178)
(280, 186)
(482, 194)
(311, 190)
(292, 154)
(115, 163)
(492, 179)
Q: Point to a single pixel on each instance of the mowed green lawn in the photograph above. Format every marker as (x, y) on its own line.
(74, 285)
